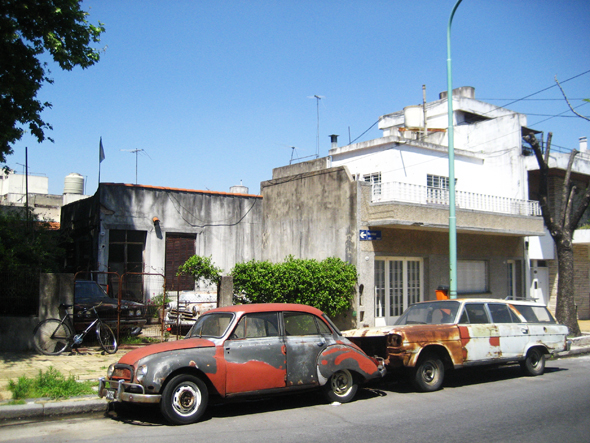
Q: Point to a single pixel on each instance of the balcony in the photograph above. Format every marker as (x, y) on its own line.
(434, 197)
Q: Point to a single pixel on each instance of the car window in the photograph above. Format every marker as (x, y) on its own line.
(535, 314)
(435, 313)
(475, 313)
(299, 323)
(262, 324)
(211, 325)
(500, 313)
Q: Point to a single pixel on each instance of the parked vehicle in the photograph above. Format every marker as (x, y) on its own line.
(184, 311)
(436, 336)
(88, 293)
(241, 350)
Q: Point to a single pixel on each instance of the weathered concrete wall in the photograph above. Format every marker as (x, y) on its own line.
(311, 214)
(16, 333)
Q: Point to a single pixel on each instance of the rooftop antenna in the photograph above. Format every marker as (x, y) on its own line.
(136, 152)
(318, 98)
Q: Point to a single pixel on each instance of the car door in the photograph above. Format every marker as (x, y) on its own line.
(255, 354)
(513, 334)
(305, 337)
(479, 337)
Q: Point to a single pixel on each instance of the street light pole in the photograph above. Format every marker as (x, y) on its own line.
(451, 140)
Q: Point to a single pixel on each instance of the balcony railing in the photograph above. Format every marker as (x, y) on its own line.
(408, 193)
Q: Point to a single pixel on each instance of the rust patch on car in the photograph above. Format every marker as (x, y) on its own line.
(494, 341)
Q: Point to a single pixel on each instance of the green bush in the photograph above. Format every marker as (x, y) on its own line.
(327, 285)
(50, 384)
(201, 268)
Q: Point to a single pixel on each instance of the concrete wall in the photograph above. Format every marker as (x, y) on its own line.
(16, 333)
(311, 214)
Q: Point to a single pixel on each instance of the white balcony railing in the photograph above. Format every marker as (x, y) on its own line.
(408, 193)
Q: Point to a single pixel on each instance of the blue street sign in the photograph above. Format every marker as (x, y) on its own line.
(366, 234)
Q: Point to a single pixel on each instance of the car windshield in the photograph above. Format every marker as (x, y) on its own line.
(435, 313)
(211, 325)
(89, 292)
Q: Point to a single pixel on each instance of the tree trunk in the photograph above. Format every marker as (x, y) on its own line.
(566, 310)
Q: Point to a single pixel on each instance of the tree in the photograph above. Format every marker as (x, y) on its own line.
(561, 217)
(201, 268)
(328, 285)
(28, 30)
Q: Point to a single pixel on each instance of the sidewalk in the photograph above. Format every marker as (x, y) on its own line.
(92, 364)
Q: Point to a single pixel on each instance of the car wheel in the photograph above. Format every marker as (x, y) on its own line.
(184, 399)
(341, 387)
(429, 373)
(534, 363)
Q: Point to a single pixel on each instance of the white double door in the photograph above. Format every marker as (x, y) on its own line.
(398, 284)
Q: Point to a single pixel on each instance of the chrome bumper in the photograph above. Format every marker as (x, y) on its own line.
(115, 391)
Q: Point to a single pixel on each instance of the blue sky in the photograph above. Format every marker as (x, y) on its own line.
(217, 93)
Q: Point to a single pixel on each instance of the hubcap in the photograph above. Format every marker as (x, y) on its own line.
(186, 399)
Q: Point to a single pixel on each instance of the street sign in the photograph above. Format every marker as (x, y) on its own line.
(368, 235)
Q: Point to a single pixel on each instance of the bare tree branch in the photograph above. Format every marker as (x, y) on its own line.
(568, 102)
(567, 193)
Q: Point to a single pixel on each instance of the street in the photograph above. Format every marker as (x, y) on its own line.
(476, 405)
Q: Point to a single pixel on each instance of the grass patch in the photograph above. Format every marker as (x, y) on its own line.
(50, 384)
(138, 340)
(14, 402)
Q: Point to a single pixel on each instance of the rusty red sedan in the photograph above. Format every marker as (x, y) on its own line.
(255, 349)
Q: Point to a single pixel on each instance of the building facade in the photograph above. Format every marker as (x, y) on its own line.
(383, 205)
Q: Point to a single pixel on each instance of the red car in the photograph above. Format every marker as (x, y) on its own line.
(242, 350)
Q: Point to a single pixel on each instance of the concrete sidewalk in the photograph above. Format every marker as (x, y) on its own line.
(91, 364)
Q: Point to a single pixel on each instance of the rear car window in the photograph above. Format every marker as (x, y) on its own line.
(474, 313)
(535, 314)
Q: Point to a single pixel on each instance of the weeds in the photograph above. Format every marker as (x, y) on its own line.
(50, 384)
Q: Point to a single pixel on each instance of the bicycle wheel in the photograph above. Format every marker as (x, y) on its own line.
(106, 338)
(52, 337)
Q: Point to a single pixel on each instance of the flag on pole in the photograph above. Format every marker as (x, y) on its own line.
(101, 152)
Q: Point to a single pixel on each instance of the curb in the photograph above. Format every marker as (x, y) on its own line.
(41, 410)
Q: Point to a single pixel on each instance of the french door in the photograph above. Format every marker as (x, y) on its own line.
(398, 284)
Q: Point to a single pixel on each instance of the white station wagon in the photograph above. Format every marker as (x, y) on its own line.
(434, 336)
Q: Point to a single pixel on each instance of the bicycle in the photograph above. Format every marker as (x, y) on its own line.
(53, 336)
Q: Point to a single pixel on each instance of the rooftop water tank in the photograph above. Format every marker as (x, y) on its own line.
(74, 184)
(239, 189)
(414, 116)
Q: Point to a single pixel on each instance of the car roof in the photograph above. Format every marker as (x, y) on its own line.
(486, 300)
(268, 307)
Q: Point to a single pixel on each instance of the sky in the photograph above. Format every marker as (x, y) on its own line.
(207, 95)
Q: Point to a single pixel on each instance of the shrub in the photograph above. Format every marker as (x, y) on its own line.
(327, 285)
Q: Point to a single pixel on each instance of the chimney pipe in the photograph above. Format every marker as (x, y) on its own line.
(334, 140)
(583, 144)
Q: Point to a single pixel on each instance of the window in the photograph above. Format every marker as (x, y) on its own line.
(375, 180)
(437, 189)
(472, 276)
(211, 325)
(500, 313)
(126, 255)
(297, 323)
(535, 314)
(257, 325)
(474, 313)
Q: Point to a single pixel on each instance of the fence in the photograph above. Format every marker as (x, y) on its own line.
(410, 193)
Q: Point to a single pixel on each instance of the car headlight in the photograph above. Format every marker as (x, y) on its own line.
(110, 371)
(140, 373)
(131, 313)
(138, 312)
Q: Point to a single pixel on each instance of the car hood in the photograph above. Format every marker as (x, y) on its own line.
(137, 354)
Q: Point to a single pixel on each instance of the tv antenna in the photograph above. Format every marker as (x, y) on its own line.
(317, 142)
(136, 152)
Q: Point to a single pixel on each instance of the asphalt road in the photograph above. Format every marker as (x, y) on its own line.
(491, 405)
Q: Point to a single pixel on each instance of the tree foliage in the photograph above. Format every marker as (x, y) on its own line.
(327, 285)
(29, 29)
(201, 268)
(28, 242)
(561, 216)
